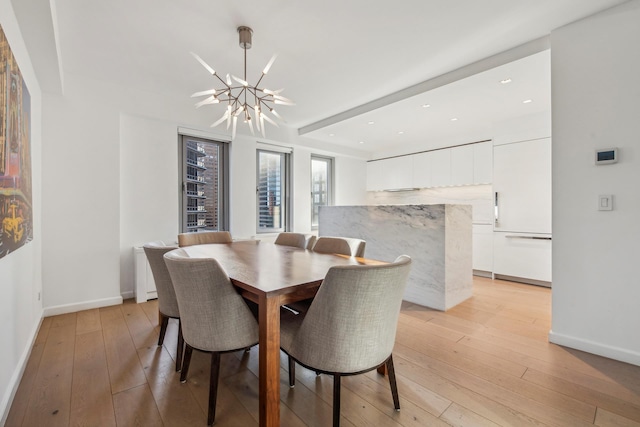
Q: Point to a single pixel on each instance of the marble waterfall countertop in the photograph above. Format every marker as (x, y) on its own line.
(437, 237)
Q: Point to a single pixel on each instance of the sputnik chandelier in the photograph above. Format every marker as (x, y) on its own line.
(250, 102)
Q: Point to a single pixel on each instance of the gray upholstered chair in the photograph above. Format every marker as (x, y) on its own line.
(311, 241)
(350, 327)
(340, 245)
(297, 240)
(167, 303)
(214, 317)
(203, 238)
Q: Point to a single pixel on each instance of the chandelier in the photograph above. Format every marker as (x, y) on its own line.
(249, 102)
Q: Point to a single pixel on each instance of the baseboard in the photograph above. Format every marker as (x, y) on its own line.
(483, 273)
(522, 280)
(14, 382)
(85, 305)
(128, 295)
(611, 352)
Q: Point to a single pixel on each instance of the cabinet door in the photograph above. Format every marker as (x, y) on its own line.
(441, 168)
(397, 172)
(374, 175)
(422, 170)
(462, 165)
(523, 256)
(483, 163)
(483, 247)
(522, 181)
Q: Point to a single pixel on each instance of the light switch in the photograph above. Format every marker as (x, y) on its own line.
(605, 202)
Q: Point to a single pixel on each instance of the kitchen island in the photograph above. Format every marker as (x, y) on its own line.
(436, 237)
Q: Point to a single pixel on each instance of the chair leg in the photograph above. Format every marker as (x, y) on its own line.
(392, 382)
(336, 400)
(180, 349)
(292, 372)
(213, 386)
(185, 363)
(164, 321)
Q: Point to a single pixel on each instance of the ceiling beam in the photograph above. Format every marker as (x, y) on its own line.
(502, 58)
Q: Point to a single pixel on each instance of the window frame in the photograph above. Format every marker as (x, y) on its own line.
(223, 181)
(285, 191)
(330, 162)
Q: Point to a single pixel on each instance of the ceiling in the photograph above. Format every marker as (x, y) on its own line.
(333, 56)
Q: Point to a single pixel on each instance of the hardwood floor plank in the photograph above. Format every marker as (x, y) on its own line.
(459, 416)
(91, 403)
(68, 319)
(125, 371)
(50, 399)
(23, 394)
(175, 402)
(151, 310)
(88, 321)
(141, 329)
(136, 407)
(605, 418)
(593, 396)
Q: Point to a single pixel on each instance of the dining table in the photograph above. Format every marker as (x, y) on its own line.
(271, 276)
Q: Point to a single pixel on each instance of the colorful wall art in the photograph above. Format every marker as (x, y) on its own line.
(16, 216)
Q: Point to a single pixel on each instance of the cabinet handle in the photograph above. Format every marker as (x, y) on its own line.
(511, 236)
(495, 208)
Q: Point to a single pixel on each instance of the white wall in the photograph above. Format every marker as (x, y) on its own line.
(20, 271)
(596, 91)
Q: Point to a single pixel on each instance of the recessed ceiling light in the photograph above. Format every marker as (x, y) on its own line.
(401, 132)
(527, 101)
(455, 119)
(332, 134)
(426, 105)
(361, 142)
(370, 122)
(505, 81)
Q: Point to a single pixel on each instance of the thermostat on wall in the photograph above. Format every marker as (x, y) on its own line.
(606, 156)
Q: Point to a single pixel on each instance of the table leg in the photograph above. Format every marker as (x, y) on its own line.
(269, 356)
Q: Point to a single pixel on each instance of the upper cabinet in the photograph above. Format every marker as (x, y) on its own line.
(461, 165)
(483, 163)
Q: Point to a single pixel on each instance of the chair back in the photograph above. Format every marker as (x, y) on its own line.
(167, 302)
(214, 316)
(203, 238)
(297, 240)
(340, 245)
(351, 324)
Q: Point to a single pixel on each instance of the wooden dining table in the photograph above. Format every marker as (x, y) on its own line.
(271, 276)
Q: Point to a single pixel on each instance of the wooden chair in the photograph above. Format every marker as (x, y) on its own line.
(203, 238)
(350, 327)
(215, 318)
(167, 302)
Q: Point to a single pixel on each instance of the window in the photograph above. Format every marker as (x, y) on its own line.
(321, 185)
(205, 191)
(272, 191)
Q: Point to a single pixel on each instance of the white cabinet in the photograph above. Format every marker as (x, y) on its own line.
(522, 181)
(397, 172)
(144, 284)
(462, 165)
(422, 170)
(483, 163)
(522, 232)
(522, 256)
(375, 180)
(483, 247)
(441, 168)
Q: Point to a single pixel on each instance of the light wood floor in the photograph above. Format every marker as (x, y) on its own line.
(486, 362)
